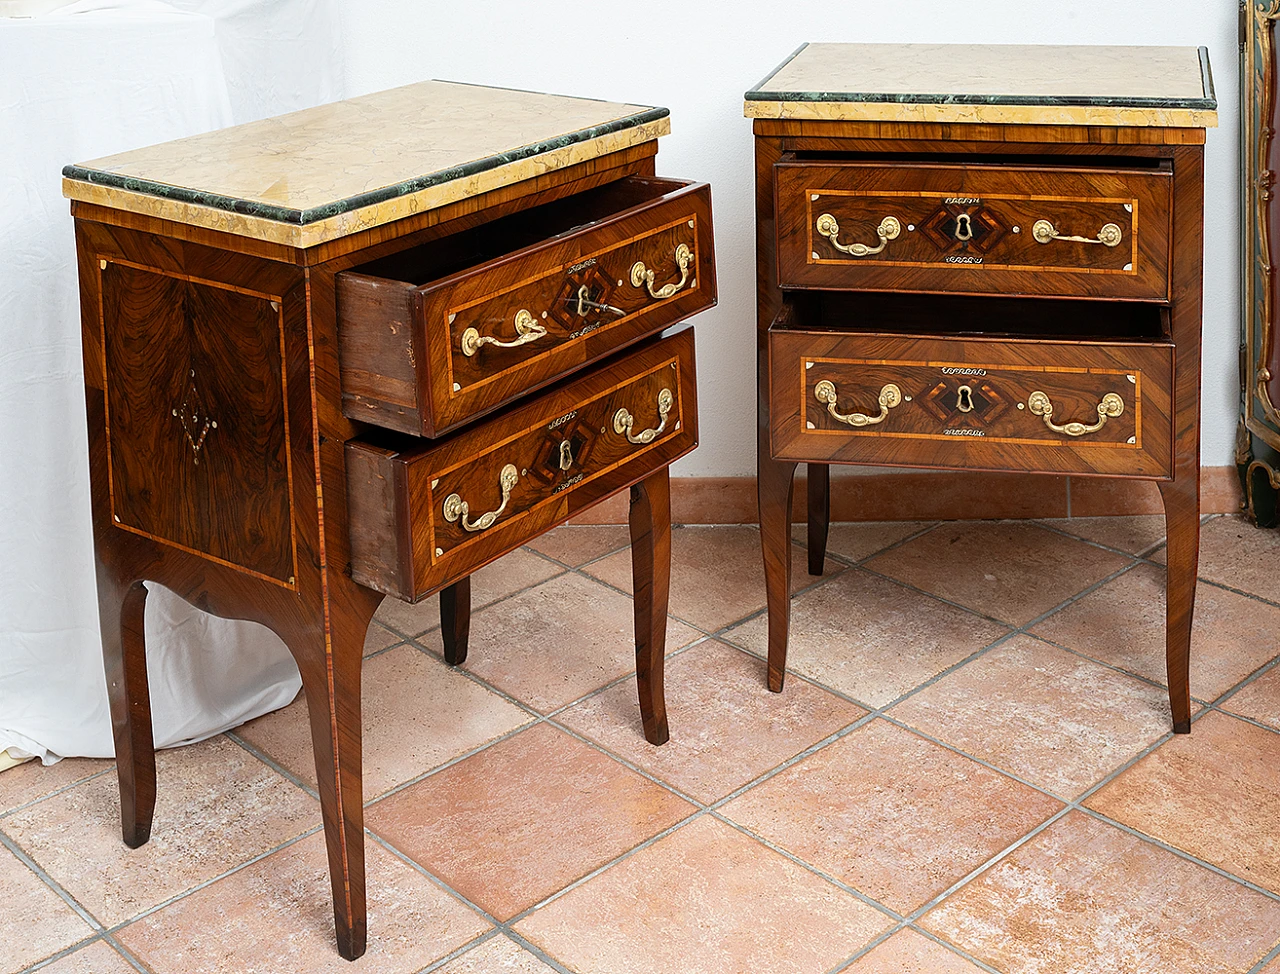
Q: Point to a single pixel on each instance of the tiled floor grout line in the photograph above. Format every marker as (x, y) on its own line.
(791, 857)
(1110, 666)
(491, 934)
(56, 791)
(1257, 674)
(1267, 958)
(971, 958)
(64, 894)
(133, 960)
(1180, 853)
(115, 928)
(697, 813)
(702, 809)
(272, 763)
(64, 952)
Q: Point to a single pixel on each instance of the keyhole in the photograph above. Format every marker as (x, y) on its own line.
(964, 399)
(964, 228)
(566, 455)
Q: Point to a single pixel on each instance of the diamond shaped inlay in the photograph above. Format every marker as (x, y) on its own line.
(947, 401)
(584, 301)
(195, 419)
(958, 227)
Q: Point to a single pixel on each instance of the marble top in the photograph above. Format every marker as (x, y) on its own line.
(324, 172)
(1029, 84)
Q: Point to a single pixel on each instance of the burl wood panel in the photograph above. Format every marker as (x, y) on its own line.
(965, 403)
(567, 454)
(560, 303)
(971, 228)
(195, 411)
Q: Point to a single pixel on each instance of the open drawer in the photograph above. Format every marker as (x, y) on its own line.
(438, 335)
(422, 514)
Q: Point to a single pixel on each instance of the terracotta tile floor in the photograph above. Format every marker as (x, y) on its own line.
(969, 770)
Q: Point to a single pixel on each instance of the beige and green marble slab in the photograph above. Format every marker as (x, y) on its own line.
(1170, 87)
(312, 176)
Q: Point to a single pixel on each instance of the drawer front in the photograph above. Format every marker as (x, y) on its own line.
(977, 229)
(496, 331)
(423, 516)
(1062, 407)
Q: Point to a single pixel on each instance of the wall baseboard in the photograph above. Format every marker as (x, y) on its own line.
(915, 495)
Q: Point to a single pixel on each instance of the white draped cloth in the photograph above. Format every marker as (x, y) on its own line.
(87, 80)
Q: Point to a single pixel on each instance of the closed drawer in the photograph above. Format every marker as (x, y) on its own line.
(1083, 407)
(422, 515)
(439, 335)
(990, 229)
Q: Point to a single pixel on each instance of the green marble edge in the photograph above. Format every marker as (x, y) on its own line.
(283, 214)
(1207, 103)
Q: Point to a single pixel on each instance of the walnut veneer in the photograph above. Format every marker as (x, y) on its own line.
(1012, 295)
(299, 401)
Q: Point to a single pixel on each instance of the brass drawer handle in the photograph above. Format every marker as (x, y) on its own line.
(455, 508)
(527, 328)
(890, 396)
(641, 276)
(623, 421)
(1109, 236)
(888, 230)
(1039, 404)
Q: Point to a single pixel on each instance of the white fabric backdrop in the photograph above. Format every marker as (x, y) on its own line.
(90, 79)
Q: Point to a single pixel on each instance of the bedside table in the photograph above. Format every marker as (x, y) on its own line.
(368, 348)
(981, 258)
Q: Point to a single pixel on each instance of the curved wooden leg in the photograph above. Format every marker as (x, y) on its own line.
(124, 655)
(774, 483)
(650, 519)
(1182, 523)
(333, 703)
(819, 514)
(455, 620)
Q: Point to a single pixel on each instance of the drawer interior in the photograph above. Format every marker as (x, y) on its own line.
(944, 315)
(459, 251)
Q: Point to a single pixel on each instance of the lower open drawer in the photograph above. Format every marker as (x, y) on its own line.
(423, 515)
(976, 403)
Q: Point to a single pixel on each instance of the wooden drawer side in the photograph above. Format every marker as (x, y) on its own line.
(531, 469)
(501, 328)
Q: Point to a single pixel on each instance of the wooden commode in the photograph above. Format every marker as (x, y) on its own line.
(981, 258)
(369, 348)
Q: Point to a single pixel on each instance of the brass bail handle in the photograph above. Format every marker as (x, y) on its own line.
(1109, 236)
(889, 229)
(890, 396)
(624, 422)
(527, 330)
(1040, 405)
(455, 508)
(642, 276)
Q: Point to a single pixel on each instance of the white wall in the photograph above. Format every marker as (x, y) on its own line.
(697, 57)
